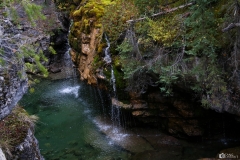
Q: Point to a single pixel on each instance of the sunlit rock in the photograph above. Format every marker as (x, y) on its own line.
(120, 104)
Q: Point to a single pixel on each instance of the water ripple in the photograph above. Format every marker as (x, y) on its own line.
(70, 90)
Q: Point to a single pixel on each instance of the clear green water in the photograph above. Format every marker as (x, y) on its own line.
(69, 127)
(66, 130)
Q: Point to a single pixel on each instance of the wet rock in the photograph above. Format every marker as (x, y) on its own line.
(59, 38)
(158, 139)
(29, 148)
(156, 97)
(135, 95)
(184, 108)
(179, 126)
(139, 104)
(100, 74)
(124, 138)
(117, 103)
(138, 113)
(55, 70)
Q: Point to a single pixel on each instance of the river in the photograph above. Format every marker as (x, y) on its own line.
(67, 129)
(70, 128)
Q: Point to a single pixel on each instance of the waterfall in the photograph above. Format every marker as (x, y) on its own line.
(102, 102)
(70, 69)
(108, 60)
(113, 80)
(115, 110)
(107, 57)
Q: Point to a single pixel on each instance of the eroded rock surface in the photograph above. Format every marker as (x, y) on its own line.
(180, 114)
(28, 150)
(13, 78)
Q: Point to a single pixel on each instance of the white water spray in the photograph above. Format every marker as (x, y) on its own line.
(115, 110)
(70, 90)
(70, 70)
(108, 60)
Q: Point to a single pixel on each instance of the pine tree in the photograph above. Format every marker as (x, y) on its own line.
(13, 49)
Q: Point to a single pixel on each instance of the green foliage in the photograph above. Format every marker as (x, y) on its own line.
(17, 48)
(32, 10)
(97, 63)
(202, 42)
(181, 46)
(36, 66)
(129, 64)
(52, 50)
(167, 79)
(166, 30)
(202, 34)
(146, 6)
(115, 17)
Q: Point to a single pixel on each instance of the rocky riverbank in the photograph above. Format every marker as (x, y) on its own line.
(16, 40)
(181, 114)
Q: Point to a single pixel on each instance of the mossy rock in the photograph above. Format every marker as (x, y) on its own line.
(14, 128)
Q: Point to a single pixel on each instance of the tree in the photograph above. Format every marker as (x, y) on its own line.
(181, 45)
(15, 48)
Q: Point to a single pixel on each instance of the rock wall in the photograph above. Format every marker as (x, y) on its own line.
(181, 115)
(28, 149)
(85, 38)
(85, 59)
(13, 78)
(12, 92)
(178, 115)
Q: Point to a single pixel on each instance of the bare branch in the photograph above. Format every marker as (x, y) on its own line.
(231, 26)
(162, 13)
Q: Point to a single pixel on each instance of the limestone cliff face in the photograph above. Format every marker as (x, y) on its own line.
(17, 136)
(84, 60)
(85, 38)
(179, 115)
(28, 149)
(14, 80)
(12, 84)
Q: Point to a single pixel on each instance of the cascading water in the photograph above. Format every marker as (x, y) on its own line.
(68, 120)
(62, 65)
(102, 102)
(115, 110)
(71, 70)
